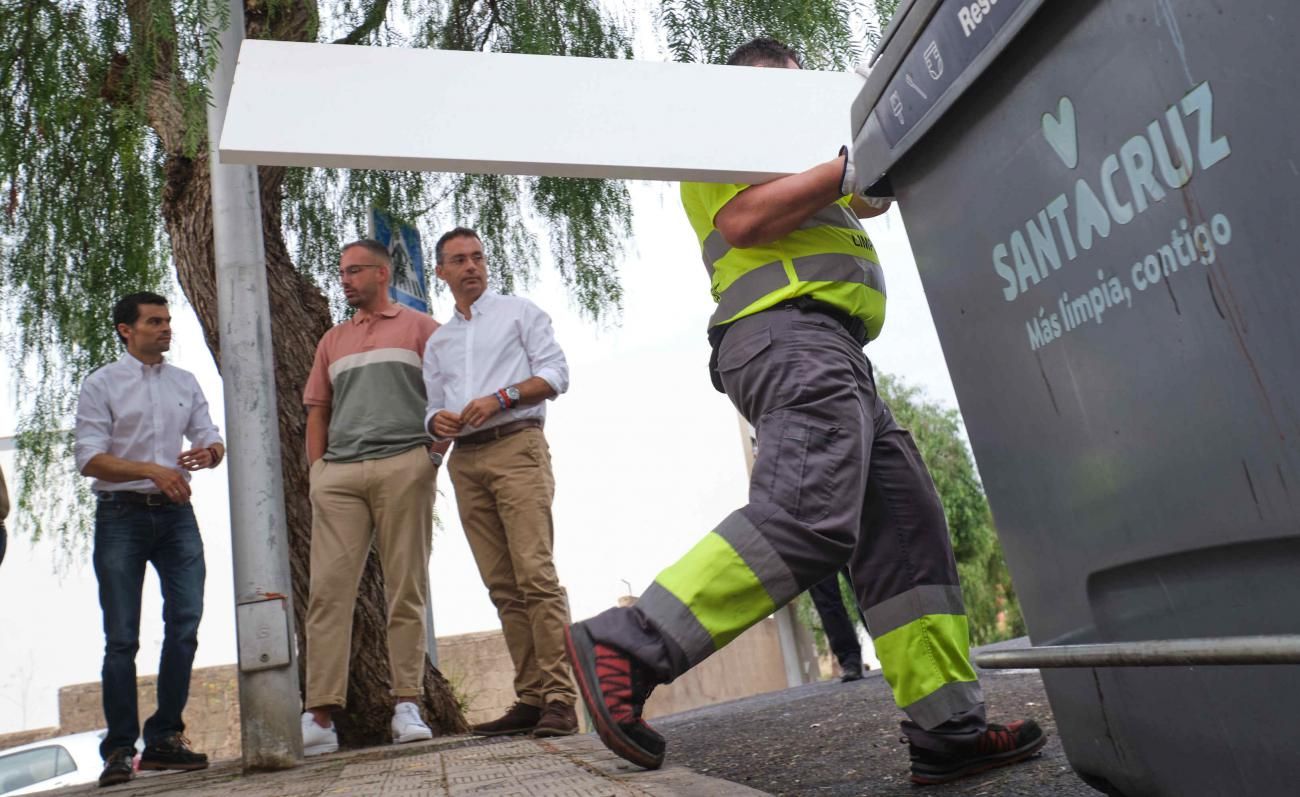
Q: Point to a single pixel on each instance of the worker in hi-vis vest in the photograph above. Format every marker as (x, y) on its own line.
(835, 481)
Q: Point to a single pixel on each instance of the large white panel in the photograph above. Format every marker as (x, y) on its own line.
(439, 110)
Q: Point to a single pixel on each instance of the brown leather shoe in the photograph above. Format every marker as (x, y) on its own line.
(521, 718)
(558, 719)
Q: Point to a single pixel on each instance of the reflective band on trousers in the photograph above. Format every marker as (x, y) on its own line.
(757, 283)
(914, 604)
(948, 701)
(921, 657)
(730, 580)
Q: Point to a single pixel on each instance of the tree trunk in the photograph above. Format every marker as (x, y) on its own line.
(299, 316)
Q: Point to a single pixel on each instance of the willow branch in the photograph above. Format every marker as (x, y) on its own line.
(373, 19)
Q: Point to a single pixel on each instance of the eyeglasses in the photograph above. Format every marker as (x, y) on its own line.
(459, 260)
(352, 271)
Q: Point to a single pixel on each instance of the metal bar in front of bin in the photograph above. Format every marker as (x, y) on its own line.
(1213, 651)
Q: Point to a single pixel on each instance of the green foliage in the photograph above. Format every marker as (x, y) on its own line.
(884, 12)
(81, 185)
(986, 584)
(103, 108)
(586, 220)
(991, 604)
(806, 613)
(100, 98)
(706, 31)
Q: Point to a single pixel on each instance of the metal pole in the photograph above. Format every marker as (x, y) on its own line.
(269, 700)
(788, 640)
(430, 637)
(1282, 649)
(796, 648)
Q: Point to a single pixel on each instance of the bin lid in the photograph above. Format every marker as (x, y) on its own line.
(932, 51)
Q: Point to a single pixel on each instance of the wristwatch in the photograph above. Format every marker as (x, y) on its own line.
(512, 393)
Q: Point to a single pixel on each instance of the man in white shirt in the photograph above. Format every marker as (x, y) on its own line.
(487, 373)
(131, 416)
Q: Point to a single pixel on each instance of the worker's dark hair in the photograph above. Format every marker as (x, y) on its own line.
(763, 51)
(456, 232)
(373, 247)
(127, 309)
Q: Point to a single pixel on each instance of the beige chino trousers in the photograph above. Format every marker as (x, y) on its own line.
(388, 500)
(504, 491)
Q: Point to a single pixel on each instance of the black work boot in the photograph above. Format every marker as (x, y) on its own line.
(117, 768)
(615, 687)
(521, 718)
(997, 746)
(172, 752)
(851, 670)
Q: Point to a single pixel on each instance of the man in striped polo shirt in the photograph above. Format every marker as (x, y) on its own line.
(372, 476)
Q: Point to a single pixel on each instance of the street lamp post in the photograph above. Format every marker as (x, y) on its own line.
(268, 675)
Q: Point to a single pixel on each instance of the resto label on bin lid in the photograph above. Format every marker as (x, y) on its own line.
(957, 33)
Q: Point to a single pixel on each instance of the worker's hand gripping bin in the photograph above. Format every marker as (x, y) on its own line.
(1104, 202)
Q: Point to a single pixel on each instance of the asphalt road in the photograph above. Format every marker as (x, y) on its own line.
(841, 740)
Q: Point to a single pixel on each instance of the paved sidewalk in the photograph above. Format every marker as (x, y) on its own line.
(576, 766)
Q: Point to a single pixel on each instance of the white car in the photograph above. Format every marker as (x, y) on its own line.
(51, 764)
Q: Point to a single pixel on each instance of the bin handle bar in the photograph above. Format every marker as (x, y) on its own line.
(1243, 650)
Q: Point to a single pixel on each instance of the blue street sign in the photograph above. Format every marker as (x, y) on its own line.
(403, 245)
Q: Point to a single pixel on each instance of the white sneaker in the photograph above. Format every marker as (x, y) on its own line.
(408, 726)
(317, 740)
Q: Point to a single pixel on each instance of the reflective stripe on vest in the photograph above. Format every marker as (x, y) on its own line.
(767, 279)
(854, 284)
(834, 215)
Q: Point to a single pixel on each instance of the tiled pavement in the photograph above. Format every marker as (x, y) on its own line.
(577, 766)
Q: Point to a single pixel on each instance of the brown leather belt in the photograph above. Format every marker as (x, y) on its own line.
(498, 432)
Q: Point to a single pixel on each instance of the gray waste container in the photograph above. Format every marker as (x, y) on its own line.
(1103, 198)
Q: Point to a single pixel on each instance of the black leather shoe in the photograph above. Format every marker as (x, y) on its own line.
(117, 769)
(172, 752)
(998, 746)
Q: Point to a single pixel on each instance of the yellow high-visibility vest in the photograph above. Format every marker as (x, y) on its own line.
(829, 258)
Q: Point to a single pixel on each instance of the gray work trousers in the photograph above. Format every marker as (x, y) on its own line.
(835, 480)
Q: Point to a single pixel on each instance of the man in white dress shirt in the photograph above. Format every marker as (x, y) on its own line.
(131, 416)
(487, 373)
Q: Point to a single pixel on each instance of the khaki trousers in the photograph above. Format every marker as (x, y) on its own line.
(504, 490)
(391, 501)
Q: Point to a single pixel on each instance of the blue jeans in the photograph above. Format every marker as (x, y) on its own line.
(127, 536)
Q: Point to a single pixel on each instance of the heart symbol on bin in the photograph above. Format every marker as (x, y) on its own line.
(1061, 132)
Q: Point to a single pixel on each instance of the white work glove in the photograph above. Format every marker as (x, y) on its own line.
(848, 183)
(848, 177)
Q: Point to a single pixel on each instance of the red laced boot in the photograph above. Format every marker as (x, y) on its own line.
(615, 687)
